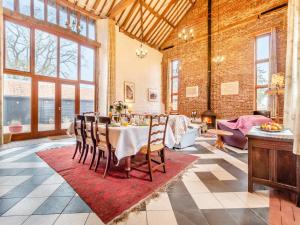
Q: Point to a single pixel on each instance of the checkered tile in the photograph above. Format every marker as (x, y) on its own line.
(212, 192)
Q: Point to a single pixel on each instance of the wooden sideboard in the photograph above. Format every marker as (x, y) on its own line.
(271, 161)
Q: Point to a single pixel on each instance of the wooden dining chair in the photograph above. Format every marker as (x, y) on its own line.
(98, 139)
(102, 143)
(156, 145)
(79, 135)
(90, 129)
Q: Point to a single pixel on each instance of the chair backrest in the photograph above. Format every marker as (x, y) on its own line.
(103, 135)
(79, 127)
(90, 129)
(158, 128)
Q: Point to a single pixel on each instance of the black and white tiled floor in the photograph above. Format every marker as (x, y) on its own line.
(212, 192)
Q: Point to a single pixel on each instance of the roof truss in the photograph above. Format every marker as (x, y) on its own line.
(160, 17)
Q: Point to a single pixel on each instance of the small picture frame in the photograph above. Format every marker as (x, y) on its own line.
(129, 92)
(153, 95)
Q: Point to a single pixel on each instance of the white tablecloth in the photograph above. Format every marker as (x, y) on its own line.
(127, 141)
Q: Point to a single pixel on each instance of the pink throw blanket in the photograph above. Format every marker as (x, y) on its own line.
(245, 123)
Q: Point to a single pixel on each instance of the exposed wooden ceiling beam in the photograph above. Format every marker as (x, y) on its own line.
(129, 15)
(118, 8)
(82, 11)
(160, 18)
(156, 14)
(96, 4)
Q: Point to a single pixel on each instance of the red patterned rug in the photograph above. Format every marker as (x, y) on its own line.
(111, 196)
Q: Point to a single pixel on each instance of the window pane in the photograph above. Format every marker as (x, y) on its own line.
(17, 104)
(67, 105)
(9, 4)
(83, 26)
(63, 17)
(46, 95)
(45, 54)
(174, 102)
(92, 34)
(87, 64)
(39, 10)
(263, 47)
(51, 11)
(24, 7)
(87, 93)
(262, 99)
(73, 22)
(17, 46)
(175, 67)
(262, 71)
(175, 85)
(68, 59)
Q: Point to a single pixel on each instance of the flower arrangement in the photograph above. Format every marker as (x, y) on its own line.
(118, 107)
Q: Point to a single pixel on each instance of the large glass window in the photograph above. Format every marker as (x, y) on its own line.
(46, 106)
(174, 84)
(24, 7)
(87, 63)
(45, 54)
(87, 98)
(68, 59)
(262, 67)
(17, 47)
(39, 9)
(53, 84)
(17, 104)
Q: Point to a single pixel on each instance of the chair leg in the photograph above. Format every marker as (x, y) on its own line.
(76, 149)
(93, 159)
(150, 167)
(162, 156)
(82, 151)
(107, 163)
(86, 153)
(98, 160)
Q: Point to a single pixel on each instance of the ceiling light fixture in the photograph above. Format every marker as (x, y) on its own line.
(75, 24)
(186, 34)
(141, 52)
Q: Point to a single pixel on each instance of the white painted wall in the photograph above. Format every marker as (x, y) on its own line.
(145, 73)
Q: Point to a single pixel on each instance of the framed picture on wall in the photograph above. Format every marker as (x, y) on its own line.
(152, 95)
(129, 92)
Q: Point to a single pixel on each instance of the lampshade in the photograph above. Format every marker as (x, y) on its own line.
(277, 80)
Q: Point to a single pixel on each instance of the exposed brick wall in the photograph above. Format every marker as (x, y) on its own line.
(238, 27)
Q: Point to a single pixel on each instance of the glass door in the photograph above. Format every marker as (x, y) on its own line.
(46, 106)
(67, 108)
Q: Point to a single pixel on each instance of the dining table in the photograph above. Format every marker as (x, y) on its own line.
(128, 140)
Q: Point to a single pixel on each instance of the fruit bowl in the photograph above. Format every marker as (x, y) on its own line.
(271, 127)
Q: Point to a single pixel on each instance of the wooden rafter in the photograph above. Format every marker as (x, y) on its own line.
(118, 8)
(124, 24)
(156, 14)
(160, 18)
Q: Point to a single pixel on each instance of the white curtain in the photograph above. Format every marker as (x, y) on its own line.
(273, 70)
(292, 86)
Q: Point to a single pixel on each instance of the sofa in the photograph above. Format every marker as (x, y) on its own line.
(188, 139)
(240, 127)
